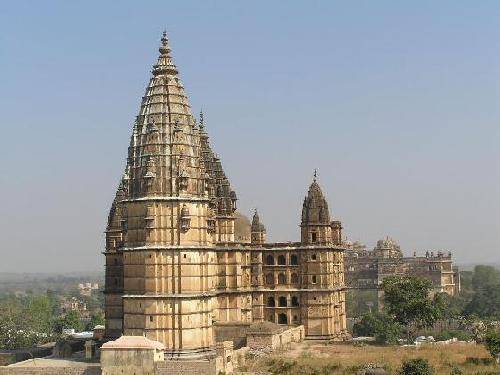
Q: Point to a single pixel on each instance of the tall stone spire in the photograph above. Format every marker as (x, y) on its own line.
(164, 146)
(165, 63)
(174, 205)
(315, 221)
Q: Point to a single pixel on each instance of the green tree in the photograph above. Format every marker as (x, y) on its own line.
(25, 321)
(407, 300)
(359, 302)
(493, 345)
(70, 320)
(417, 366)
(485, 302)
(451, 306)
(484, 276)
(379, 325)
(96, 319)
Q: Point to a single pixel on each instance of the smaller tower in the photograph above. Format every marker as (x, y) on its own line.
(315, 225)
(258, 230)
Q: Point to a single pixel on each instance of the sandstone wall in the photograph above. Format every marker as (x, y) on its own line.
(202, 367)
(88, 370)
(235, 332)
(264, 341)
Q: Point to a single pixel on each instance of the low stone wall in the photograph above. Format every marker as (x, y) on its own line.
(234, 331)
(201, 367)
(9, 357)
(271, 341)
(87, 370)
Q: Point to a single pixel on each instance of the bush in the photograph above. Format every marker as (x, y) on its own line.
(449, 334)
(417, 366)
(493, 344)
(456, 371)
(381, 326)
(281, 366)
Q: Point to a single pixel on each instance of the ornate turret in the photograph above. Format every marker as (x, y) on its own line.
(258, 233)
(315, 225)
(387, 248)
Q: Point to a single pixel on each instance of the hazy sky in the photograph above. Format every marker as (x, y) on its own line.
(395, 102)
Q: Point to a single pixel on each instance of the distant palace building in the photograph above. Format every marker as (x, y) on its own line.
(176, 271)
(367, 269)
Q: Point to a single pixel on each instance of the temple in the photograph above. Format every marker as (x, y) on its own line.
(367, 269)
(177, 271)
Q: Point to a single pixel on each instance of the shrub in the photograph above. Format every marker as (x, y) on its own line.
(381, 326)
(449, 334)
(281, 366)
(330, 368)
(493, 344)
(417, 366)
(456, 371)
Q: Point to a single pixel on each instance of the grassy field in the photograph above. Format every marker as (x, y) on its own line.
(319, 358)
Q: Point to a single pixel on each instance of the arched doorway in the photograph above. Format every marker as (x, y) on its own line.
(270, 260)
(282, 319)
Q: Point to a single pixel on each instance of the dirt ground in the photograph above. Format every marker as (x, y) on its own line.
(319, 358)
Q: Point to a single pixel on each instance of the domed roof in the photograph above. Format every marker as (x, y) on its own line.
(387, 247)
(387, 243)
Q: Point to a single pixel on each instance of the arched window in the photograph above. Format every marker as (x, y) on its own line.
(281, 260)
(314, 237)
(282, 302)
(270, 260)
(282, 319)
(269, 279)
(313, 256)
(314, 279)
(295, 301)
(295, 318)
(295, 278)
(294, 260)
(270, 302)
(281, 278)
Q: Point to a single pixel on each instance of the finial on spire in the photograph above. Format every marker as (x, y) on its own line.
(164, 48)
(202, 120)
(315, 176)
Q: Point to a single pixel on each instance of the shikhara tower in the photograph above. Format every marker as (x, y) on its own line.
(173, 269)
